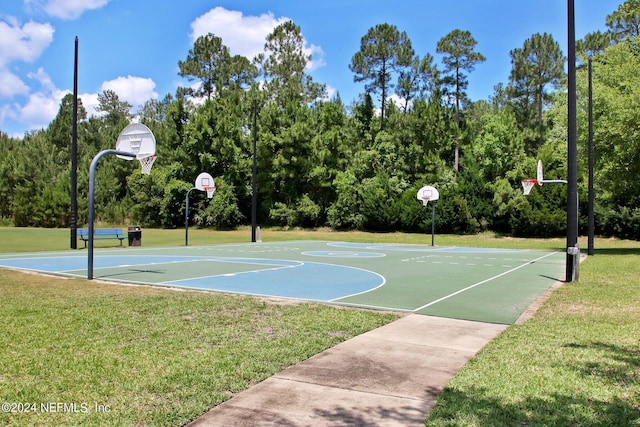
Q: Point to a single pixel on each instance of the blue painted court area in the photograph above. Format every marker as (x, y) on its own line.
(470, 283)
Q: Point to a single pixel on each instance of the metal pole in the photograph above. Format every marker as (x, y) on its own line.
(433, 223)
(573, 251)
(92, 180)
(186, 218)
(592, 222)
(254, 180)
(74, 155)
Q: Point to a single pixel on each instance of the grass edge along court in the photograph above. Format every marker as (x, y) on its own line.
(64, 344)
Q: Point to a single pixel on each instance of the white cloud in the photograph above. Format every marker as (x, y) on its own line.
(42, 106)
(24, 43)
(246, 35)
(330, 92)
(398, 101)
(11, 85)
(41, 109)
(66, 9)
(243, 35)
(6, 112)
(89, 102)
(317, 57)
(135, 90)
(43, 78)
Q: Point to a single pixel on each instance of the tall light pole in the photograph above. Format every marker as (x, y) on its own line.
(254, 174)
(592, 221)
(573, 251)
(74, 154)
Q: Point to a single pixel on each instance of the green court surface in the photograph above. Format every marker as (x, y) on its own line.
(489, 285)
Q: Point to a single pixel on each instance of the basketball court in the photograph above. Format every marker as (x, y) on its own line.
(488, 285)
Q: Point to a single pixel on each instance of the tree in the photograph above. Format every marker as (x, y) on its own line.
(625, 21)
(284, 63)
(498, 146)
(617, 89)
(537, 66)
(383, 50)
(114, 109)
(417, 80)
(593, 43)
(205, 63)
(459, 56)
(211, 63)
(60, 128)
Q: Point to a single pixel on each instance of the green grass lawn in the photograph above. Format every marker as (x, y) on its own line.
(135, 355)
(575, 363)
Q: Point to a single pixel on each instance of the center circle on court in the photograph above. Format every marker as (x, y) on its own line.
(344, 254)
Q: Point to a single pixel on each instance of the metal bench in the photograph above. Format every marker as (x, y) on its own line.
(101, 234)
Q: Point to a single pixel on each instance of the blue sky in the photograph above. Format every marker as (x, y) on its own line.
(133, 46)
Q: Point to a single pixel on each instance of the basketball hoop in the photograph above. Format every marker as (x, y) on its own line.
(427, 194)
(204, 182)
(528, 184)
(147, 163)
(210, 191)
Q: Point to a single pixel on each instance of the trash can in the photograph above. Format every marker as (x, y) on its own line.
(135, 235)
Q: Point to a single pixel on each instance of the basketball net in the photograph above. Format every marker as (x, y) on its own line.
(528, 184)
(210, 191)
(426, 197)
(147, 163)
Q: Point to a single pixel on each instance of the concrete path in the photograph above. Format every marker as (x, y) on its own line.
(390, 376)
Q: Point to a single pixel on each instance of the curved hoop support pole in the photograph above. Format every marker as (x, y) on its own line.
(554, 181)
(92, 180)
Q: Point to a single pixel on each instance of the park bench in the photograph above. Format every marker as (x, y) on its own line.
(101, 234)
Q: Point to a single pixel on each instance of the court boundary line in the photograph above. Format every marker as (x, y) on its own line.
(275, 268)
(382, 278)
(384, 282)
(446, 297)
(252, 257)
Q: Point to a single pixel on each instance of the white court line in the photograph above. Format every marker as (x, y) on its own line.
(480, 283)
(296, 264)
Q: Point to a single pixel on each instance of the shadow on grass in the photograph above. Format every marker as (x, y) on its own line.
(555, 409)
(615, 251)
(617, 365)
(613, 366)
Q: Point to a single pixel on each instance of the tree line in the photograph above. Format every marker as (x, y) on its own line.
(324, 163)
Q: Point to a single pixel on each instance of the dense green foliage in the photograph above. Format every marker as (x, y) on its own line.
(322, 162)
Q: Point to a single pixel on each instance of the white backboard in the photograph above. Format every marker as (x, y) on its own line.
(204, 181)
(137, 139)
(539, 175)
(428, 194)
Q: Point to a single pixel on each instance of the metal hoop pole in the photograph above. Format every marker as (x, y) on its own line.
(186, 218)
(92, 180)
(433, 222)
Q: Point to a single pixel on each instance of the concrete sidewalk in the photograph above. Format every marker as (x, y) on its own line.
(390, 376)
